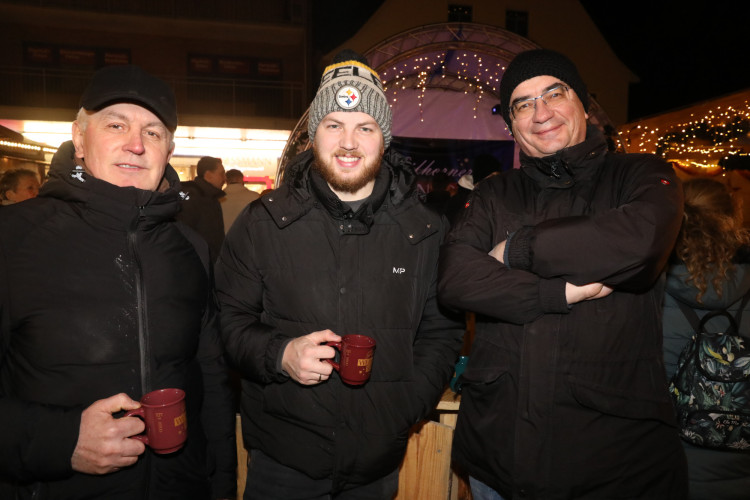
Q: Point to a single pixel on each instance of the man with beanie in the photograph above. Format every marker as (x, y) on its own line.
(201, 208)
(104, 298)
(344, 246)
(565, 393)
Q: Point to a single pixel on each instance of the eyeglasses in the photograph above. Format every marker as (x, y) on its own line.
(524, 108)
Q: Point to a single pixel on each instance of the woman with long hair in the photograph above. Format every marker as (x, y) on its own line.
(710, 270)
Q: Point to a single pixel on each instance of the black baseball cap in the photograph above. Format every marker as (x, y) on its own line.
(130, 83)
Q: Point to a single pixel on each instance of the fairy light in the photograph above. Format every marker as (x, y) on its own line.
(700, 142)
(424, 72)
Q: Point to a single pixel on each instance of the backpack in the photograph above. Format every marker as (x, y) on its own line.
(711, 387)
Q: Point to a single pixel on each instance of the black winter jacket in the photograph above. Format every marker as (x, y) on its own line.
(568, 402)
(102, 293)
(300, 261)
(201, 210)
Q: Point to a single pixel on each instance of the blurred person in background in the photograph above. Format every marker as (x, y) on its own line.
(201, 208)
(237, 197)
(485, 165)
(18, 185)
(710, 270)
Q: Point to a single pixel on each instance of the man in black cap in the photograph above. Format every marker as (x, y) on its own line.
(344, 246)
(104, 299)
(565, 392)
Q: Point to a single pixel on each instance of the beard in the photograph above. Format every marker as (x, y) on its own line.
(346, 184)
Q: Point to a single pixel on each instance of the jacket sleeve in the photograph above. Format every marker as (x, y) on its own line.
(472, 280)
(37, 441)
(218, 410)
(625, 247)
(436, 348)
(252, 347)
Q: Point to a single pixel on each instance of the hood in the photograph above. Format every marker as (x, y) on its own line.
(735, 287)
(119, 205)
(466, 181)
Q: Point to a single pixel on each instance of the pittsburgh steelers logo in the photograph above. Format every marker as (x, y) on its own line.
(348, 97)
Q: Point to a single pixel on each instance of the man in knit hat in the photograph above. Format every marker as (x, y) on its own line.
(565, 392)
(342, 247)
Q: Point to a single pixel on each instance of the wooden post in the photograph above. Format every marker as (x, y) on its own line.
(426, 470)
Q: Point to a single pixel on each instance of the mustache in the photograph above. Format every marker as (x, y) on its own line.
(344, 152)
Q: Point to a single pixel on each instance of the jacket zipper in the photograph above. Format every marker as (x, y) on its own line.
(143, 337)
(143, 340)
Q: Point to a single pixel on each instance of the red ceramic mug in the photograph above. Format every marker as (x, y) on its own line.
(356, 358)
(163, 411)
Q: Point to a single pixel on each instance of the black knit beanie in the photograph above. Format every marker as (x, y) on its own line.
(531, 63)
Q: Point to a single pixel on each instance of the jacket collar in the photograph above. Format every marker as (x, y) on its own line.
(114, 206)
(341, 211)
(560, 170)
(394, 187)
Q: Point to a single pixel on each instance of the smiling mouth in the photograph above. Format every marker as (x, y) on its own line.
(128, 166)
(546, 131)
(348, 160)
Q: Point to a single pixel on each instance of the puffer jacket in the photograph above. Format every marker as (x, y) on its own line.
(102, 293)
(300, 261)
(201, 210)
(567, 402)
(713, 474)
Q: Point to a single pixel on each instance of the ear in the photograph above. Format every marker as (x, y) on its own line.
(78, 140)
(171, 151)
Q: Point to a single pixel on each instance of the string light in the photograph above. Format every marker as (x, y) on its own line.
(468, 73)
(700, 143)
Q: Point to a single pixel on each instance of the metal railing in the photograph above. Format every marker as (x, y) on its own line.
(57, 88)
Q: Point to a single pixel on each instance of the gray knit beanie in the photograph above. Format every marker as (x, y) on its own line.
(349, 84)
(531, 63)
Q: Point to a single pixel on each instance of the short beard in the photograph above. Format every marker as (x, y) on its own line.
(351, 184)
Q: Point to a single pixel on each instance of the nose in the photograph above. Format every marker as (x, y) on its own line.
(348, 140)
(134, 142)
(542, 112)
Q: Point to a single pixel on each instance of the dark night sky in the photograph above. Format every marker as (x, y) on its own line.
(682, 52)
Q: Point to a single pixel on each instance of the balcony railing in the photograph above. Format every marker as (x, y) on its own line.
(55, 88)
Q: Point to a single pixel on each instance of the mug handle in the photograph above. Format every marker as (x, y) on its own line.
(138, 412)
(335, 345)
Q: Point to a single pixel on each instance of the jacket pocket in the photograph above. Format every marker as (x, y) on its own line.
(627, 404)
(487, 381)
(487, 363)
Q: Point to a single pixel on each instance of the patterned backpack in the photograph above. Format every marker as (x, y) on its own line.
(711, 387)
